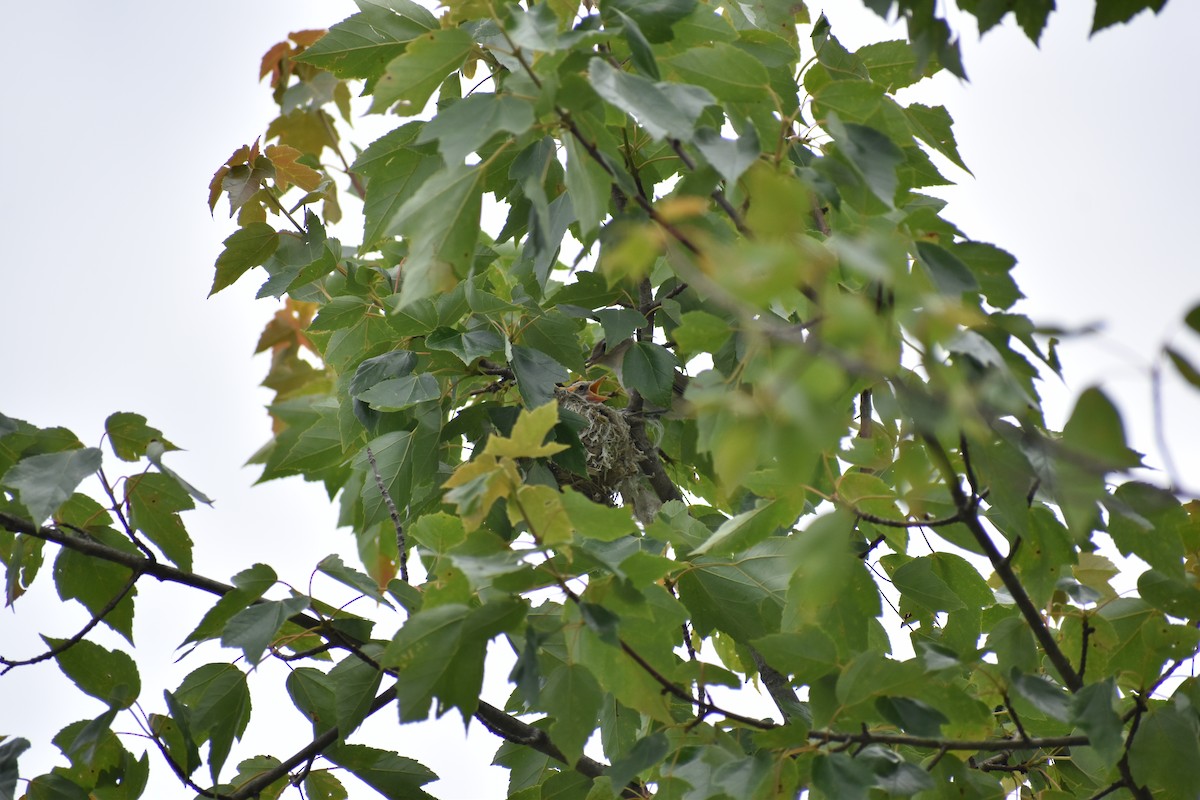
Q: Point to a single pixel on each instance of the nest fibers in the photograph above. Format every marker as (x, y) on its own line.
(613, 460)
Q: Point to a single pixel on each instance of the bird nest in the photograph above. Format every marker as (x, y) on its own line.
(613, 460)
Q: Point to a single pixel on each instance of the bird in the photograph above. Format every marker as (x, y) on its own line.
(589, 390)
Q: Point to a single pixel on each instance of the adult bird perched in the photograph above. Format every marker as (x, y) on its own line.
(614, 359)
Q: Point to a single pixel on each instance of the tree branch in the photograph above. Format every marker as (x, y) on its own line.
(968, 510)
(493, 718)
(990, 745)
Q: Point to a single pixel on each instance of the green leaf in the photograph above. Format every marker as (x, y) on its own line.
(464, 126)
(374, 371)
(665, 110)
(594, 521)
(851, 101)
(619, 324)
(439, 653)
(467, 345)
(129, 435)
(650, 369)
(745, 530)
(1183, 366)
(572, 697)
(1192, 318)
(911, 715)
(54, 787)
(1093, 712)
(251, 584)
(94, 583)
(245, 249)
(413, 76)
(701, 332)
(441, 222)
(363, 44)
(655, 18)
(396, 394)
(730, 158)
(1095, 430)
(396, 167)
(1148, 523)
(645, 753)
(892, 65)
(1113, 12)
(398, 456)
(155, 500)
(950, 275)
(355, 683)
(10, 750)
(108, 675)
(218, 709)
(439, 532)
(312, 693)
(932, 125)
(1046, 697)
(838, 775)
(393, 776)
(807, 654)
(254, 628)
(333, 566)
(871, 154)
(589, 185)
(322, 784)
(341, 312)
(154, 453)
(918, 581)
(732, 75)
(537, 374)
(741, 596)
(46, 481)
(1165, 753)
(640, 52)
(871, 675)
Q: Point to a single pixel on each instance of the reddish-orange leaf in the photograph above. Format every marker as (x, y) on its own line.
(214, 187)
(306, 38)
(289, 171)
(272, 60)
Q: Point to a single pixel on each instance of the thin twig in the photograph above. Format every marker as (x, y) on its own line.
(74, 640)
(116, 508)
(1160, 434)
(912, 523)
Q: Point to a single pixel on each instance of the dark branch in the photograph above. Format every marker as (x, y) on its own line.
(968, 510)
(991, 745)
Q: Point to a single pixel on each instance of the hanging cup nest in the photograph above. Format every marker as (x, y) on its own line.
(613, 460)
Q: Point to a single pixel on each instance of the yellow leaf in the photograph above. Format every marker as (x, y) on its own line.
(541, 508)
(527, 435)
(477, 485)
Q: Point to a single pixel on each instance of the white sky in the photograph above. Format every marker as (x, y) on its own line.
(117, 114)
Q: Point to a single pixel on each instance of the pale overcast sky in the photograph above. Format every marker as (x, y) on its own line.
(118, 113)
